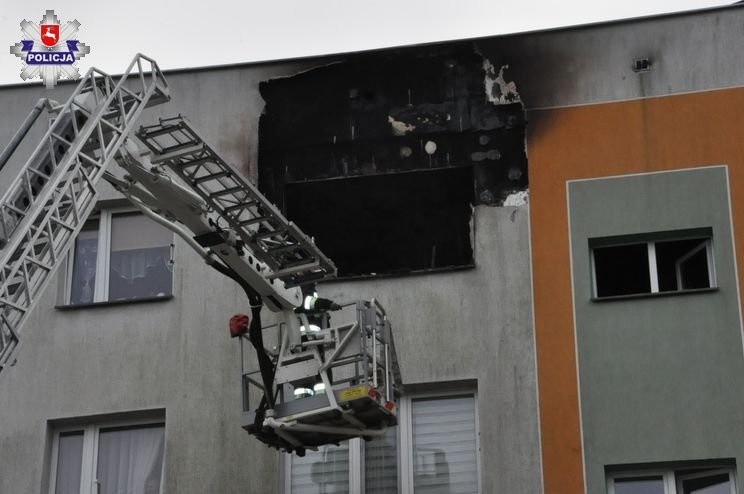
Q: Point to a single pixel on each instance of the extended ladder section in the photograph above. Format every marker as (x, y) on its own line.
(343, 381)
(45, 207)
(290, 254)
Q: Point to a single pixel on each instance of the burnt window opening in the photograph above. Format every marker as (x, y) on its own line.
(658, 264)
(381, 156)
(388, 223)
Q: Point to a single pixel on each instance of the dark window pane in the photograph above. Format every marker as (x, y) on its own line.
(621, 270)
(140, 255)
(712, 484)
(69, 463)
(392, 223)
(694, 271)
(640, 485)
(83, 284)
(681, 266)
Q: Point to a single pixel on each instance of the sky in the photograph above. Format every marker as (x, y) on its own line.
(196, 34)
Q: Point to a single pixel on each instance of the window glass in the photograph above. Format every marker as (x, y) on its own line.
(84, 264)
(69, 463)
(688, 480)
(671, 261)
(140, 255)
(640, 485)
(622, 270)
(444, 445)
(381, 463)
(716, 483)
(321, 472)
(130, 460)
(682, 264)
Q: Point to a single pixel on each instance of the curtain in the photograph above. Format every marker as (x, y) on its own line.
(444, 445)
(140, 273)
(324, 471)
(140, 251)
(84, 268)
(69, 463)
(130, 461)
(381, 463)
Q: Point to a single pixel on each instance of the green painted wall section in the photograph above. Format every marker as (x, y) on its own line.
(661, 378)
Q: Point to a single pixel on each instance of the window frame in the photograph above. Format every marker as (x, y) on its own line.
(673, 476)
(89, 462)
(404, 436)
(651, 240)
(103, 261)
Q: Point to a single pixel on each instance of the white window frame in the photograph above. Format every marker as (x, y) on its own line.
(89, 465)
(404, 443)
(653, 271)
(103, 259)
(673, 477)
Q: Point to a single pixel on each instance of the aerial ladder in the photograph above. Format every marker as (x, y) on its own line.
(326, 372)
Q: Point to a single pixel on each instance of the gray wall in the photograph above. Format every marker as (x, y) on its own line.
(474, 324)
(661, 378)
(176, 355)
(592, 64)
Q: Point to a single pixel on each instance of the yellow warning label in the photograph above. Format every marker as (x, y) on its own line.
(352, 393)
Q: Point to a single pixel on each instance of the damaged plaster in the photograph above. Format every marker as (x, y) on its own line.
(519, 198)
(498, 91)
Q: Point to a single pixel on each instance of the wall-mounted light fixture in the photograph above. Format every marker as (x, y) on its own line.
(641, 65)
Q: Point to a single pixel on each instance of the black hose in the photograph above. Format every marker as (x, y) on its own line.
(255, 335)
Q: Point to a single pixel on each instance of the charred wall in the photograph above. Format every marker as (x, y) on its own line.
(382, 155)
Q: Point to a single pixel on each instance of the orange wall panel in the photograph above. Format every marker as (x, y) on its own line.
(656, 134)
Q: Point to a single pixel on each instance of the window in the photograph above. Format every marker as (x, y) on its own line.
(108, 459)
(434, 449)
(120, 255)
(689, 480)
(322, 471)
(665, 262)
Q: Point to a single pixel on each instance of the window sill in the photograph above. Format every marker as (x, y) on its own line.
(654, 295)
(109, 303)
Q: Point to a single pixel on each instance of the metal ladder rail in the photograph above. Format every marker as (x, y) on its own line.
(55, 215)
(290, 254)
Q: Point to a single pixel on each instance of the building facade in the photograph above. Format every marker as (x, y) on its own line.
(548, 218)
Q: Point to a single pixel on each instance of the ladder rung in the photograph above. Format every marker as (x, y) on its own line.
(253, 221)
(11, 304)
(243, 205)
(284, 248)
(145, 133)
(290, 271)
(40, 264)
(206, 178)
(225, 192)
(260, 236)
(39, 173)
(179, 152)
